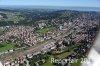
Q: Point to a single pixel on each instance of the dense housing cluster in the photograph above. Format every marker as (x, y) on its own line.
(62, 34)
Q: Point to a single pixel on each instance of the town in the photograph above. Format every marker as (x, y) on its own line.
(32, 39)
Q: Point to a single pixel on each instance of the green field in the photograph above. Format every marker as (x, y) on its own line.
(63, 55)
(22, 64)
(7, 47)
(1, 30)
(45, 30)
(48, 63)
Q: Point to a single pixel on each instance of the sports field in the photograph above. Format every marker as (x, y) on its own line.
(45, 30)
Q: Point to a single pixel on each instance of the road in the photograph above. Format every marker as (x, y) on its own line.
(33, 49)
(29, 50)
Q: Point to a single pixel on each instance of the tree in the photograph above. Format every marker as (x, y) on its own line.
(65, 43)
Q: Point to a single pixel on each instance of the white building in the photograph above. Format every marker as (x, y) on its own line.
(41, 25)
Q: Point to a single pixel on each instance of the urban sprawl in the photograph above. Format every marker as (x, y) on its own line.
(32, 37)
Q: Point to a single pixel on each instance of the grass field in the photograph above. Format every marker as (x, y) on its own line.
(1, 30)
(63, 55)
(48, 63)
(6, 47)
(22, 64)
(44, 30)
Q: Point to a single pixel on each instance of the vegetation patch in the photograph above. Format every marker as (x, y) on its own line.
(48, 63)
(44, 30)
(6, 46)
(63, 55)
